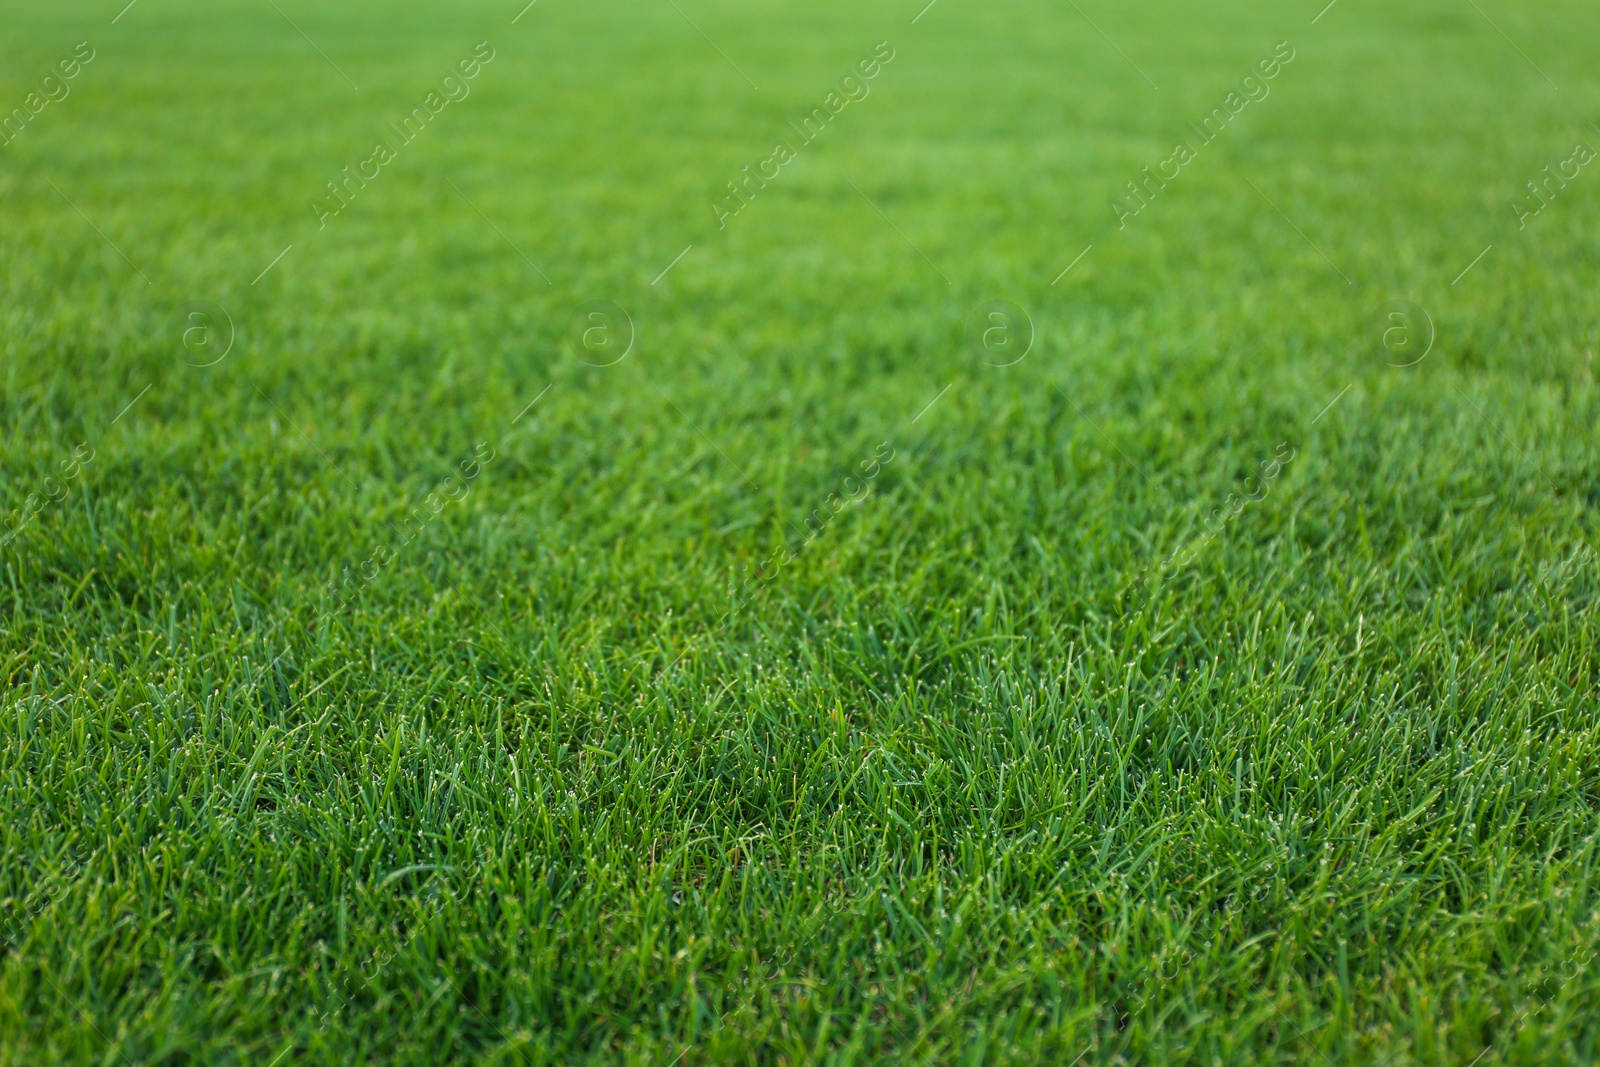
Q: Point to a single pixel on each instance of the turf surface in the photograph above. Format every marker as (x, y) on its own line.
(546, 614)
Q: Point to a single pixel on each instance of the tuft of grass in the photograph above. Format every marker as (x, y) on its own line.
(420, 682)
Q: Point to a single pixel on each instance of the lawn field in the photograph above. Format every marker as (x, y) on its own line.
(687, 532)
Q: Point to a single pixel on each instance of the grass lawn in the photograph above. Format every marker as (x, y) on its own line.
(1084, 553)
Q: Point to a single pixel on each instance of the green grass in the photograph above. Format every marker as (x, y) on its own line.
(300, 764)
